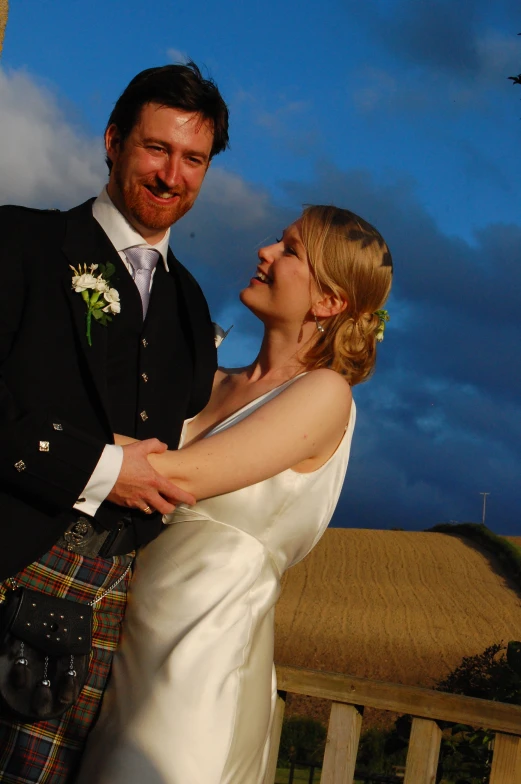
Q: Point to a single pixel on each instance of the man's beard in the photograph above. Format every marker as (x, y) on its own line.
(146, 213)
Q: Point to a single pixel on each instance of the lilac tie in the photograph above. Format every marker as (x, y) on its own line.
(143, 261)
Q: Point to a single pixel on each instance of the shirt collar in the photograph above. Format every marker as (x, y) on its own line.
(119, 231)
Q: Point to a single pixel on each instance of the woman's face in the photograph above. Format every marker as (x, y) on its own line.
(284, 289)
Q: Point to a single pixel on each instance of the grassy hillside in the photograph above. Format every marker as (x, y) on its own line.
(397, 606)
(507, 552)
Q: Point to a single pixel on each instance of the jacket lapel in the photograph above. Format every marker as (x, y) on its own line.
(86, 243)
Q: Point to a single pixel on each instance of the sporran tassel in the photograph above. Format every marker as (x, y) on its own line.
(42, 696)
(20, 670)
(69, 687)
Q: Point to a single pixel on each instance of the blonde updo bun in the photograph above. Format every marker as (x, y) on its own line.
(350, 259)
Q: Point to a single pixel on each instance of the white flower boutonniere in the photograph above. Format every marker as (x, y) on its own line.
(102, 301)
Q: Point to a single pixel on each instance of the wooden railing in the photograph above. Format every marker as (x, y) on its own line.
(349, 694)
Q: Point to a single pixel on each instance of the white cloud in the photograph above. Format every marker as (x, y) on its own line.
(233, 196)
(219, 238)
(289, 122)
(177, 55)
(45, 161)
(278, 121)
(377, 89)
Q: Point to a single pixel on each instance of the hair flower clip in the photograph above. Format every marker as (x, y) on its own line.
(383, 318)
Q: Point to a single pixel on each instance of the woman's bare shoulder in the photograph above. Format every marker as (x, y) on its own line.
(322, 394)
(327, 381)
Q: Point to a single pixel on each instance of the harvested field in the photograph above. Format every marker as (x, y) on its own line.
(4, 8)
(397, 606)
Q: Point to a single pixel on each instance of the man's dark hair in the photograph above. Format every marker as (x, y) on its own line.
(178, 86)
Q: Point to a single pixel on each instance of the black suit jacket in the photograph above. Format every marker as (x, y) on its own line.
(54, 415)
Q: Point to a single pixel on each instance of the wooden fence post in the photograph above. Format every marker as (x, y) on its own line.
(276, 729)
(343, 736)
(423, 752)
(506, 761)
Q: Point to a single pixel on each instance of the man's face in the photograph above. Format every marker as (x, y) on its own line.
(158, 170)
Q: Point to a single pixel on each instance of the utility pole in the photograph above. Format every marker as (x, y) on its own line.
(484, 505)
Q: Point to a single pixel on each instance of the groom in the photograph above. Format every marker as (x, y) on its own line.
(122, 343)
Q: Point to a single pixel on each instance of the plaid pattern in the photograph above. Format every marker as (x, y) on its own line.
(48, 752)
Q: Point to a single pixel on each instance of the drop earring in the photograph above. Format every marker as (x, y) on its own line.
(319, 326)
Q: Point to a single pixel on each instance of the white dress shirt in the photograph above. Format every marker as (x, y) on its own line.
(122, 236)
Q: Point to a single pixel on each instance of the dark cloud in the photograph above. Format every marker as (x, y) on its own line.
(460, 299)
(461, 38)
(479, 166)
(438, 34)
(440, 421)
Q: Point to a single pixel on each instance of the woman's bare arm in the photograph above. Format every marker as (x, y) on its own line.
(305, 421)
(120, 440)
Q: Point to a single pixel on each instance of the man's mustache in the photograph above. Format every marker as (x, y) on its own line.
(159, 187)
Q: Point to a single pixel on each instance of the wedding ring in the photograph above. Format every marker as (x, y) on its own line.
(147, 510)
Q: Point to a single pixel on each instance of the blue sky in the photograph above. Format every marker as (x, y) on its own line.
(397, 109)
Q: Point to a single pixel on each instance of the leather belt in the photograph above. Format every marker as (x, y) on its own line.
(85, 537)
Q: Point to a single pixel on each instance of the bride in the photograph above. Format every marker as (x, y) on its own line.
(192, 689)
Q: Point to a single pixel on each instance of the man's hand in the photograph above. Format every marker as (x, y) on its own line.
(139, 486)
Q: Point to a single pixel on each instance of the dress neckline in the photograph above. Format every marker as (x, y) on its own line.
(240, 410)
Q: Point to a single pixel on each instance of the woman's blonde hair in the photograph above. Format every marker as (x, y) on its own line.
(349, 259)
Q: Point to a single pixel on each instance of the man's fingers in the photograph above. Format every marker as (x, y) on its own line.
(158, 504)
(139, 486)
(153, 445)
(173, 493)
(183, 497)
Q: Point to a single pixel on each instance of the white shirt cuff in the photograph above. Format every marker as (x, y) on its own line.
(102, 480)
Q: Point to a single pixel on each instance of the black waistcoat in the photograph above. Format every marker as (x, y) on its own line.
(149, 377)
(149, 366)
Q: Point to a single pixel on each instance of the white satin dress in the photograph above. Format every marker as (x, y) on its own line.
(193, 685)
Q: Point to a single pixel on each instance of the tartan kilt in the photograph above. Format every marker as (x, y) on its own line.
(48, 752)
